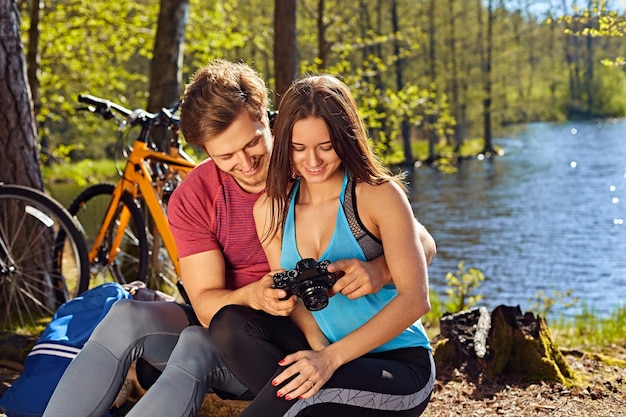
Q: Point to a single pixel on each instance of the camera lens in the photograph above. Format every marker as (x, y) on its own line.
(315, 297)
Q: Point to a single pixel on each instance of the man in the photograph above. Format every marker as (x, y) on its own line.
(224, 111)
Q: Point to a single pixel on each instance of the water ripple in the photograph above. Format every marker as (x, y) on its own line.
(548, 215)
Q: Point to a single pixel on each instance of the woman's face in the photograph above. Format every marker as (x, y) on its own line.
(312, 153)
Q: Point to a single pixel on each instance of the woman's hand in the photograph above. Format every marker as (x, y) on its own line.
(359, 278)
(310, 371)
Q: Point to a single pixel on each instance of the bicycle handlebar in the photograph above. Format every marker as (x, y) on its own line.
(164, 117)
(103, 107)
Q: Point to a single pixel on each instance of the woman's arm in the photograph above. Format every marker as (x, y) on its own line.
(395, 224)
(363, 278)
(427, 241)
(273, 246)
(306, 322)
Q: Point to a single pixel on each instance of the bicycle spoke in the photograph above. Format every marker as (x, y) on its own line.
(43, 256)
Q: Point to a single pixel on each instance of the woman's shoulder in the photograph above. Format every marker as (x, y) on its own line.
(384, 189)
(262, 204)
(380, 199)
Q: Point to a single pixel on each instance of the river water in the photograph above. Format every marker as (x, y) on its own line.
(550, 215)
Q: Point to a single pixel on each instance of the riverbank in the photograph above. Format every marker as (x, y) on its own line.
(456, 396)
(603, 393)
(596, 354)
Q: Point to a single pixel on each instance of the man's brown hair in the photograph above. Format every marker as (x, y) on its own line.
(215, 97)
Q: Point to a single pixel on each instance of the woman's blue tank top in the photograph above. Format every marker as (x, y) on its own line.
(342, 315)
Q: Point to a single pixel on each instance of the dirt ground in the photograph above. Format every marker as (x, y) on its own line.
(602, 392)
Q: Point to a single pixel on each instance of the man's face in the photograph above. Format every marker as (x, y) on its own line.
(243, 151)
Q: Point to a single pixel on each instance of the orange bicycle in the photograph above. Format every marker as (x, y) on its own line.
(125, 224)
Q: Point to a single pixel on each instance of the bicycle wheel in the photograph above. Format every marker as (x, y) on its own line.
(43, 258)
(131, 261)
(161, 273)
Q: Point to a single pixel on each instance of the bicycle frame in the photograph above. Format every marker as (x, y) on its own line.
(138, 181)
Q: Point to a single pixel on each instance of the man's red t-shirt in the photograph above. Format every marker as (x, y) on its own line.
(209, 211)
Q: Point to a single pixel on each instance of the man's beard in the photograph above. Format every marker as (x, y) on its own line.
(257, 181)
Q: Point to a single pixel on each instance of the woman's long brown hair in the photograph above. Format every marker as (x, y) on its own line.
(328, 98)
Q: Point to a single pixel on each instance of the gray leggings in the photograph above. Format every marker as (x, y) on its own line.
(159, 332)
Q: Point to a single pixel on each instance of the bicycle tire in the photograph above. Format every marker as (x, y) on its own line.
(131, 261)
(161, 274)
(44, 258)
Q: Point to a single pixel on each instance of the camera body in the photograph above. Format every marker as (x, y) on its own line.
(309, 280)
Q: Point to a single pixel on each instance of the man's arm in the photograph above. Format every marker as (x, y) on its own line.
(204, 278)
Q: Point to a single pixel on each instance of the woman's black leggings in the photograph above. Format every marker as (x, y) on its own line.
(251, 342)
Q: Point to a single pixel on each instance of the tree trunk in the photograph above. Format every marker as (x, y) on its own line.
(19, 155)
(488, 82)
(32, 58)
(590, 61)
(431, 118)
(405, 126)
(323, 44)
(285, 46)
(454, 77)
(166, 65)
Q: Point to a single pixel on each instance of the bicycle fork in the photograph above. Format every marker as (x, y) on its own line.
(106, 247)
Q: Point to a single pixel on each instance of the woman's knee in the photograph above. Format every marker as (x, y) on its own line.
(227, 319)
(230, 326)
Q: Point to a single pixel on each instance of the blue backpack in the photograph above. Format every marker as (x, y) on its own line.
(62, 339)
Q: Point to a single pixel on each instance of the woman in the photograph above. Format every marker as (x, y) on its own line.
(361, 357)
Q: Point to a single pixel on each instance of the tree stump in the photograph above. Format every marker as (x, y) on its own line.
(505, 343)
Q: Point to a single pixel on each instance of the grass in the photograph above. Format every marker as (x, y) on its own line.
(84, 172)
(588, 330)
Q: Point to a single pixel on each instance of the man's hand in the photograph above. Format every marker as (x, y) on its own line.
(269, 299)
(361, 278)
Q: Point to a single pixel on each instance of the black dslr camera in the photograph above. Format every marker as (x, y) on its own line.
(309, 280)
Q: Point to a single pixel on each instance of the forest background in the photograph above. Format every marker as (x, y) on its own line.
(423, 71)
(441, 71)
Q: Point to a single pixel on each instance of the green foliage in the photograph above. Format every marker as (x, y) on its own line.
(544, 302)
(595, 20)
(606, 103)
(431, 319)
(461, 284)
(589, 329)
(101, 48)
(104, 48)
(227, 29)
(83, 172)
